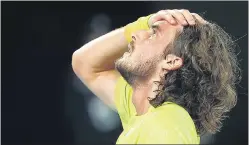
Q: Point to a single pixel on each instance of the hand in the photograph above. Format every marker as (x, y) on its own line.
(183, 17)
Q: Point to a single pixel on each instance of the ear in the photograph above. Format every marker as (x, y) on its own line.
(172, 62)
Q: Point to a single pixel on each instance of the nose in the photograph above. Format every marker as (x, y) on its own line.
(139, 35)
(134, 37)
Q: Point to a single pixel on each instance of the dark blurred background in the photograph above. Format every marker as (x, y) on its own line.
(43, 102)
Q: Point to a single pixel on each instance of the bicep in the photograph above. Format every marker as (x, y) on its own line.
(103, 86)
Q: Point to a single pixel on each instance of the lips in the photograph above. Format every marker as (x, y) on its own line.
(129, 48)
(126, 54)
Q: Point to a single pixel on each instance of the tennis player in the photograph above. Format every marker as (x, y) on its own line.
(171, 76)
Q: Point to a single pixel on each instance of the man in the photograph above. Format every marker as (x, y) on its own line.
(174, 79)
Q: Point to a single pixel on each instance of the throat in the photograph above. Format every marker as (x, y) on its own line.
(143, 93)
(142, 107)
(140, 100)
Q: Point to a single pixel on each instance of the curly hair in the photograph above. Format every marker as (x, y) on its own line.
(206, 83)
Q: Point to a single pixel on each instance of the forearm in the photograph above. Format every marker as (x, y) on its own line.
(100, 54)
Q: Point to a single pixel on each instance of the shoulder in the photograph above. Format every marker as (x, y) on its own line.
(172, 124)
(171, 113)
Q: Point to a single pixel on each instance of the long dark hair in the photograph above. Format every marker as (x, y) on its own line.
(205, 84)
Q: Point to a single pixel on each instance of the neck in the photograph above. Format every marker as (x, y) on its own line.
(141, 92)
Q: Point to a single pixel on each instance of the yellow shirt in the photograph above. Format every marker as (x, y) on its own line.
(167, 124)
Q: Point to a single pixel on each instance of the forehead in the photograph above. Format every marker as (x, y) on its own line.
(168, 29)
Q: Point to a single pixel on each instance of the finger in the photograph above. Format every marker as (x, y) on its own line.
(178, 16)
(165, 15)
(188, 16)
(199, 18)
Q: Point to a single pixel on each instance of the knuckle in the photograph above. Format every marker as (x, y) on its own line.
(161, 11)
(178, 11)
(195, 14)
(167, 11)
(174, 12)
(185, 10)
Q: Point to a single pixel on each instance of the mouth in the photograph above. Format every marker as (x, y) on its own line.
(129, 48)
(126, 54)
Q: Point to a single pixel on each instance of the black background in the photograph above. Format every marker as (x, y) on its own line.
(38, 39)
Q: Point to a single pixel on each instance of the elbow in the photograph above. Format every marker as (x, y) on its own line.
(80, 66)
(76, 62)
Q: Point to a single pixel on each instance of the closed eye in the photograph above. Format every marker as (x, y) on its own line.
(155, 27)
(153, 31)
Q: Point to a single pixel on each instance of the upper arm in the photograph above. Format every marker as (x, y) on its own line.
(102, 84)
(107, 85)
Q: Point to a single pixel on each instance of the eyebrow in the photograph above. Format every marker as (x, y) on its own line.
(155, 26)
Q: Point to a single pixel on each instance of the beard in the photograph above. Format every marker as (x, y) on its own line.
(132, 70)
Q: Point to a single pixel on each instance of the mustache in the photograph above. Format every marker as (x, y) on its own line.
(131, 46)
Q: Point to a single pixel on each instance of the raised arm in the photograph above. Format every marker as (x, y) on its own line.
(93, 63)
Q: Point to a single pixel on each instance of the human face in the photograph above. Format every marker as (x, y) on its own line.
(146, 51)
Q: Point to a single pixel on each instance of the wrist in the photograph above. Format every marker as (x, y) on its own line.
(141, 24)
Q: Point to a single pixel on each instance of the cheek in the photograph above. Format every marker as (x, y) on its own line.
(140, 51)
(143, 55)
(148, 50)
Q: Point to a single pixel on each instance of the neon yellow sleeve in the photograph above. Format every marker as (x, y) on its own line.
(140, 24)
(123, 101)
